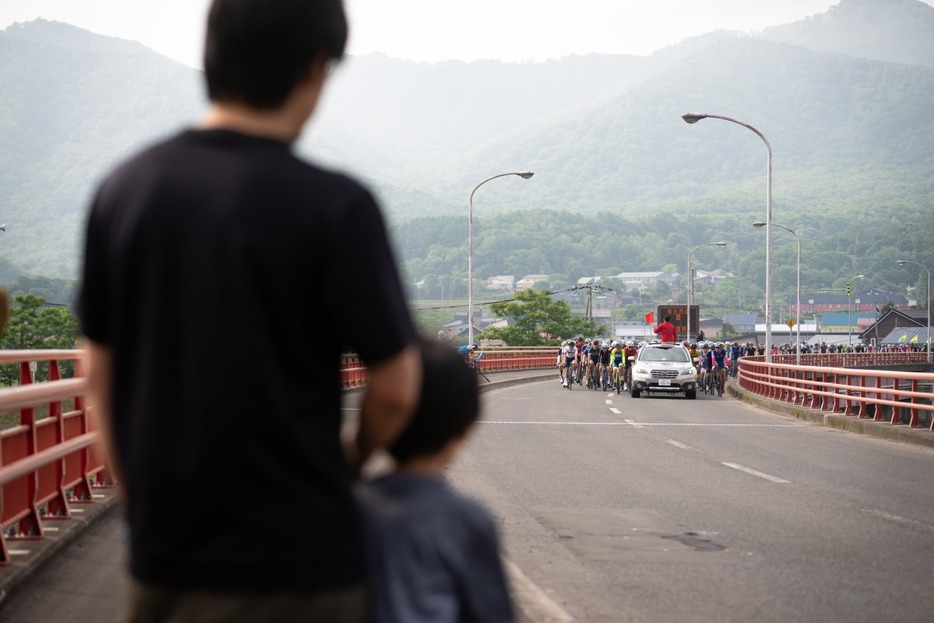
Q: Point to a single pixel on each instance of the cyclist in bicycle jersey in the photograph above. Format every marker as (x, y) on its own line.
(718, 364)
(704, 364)
(631, 351)
(736, 351)
(593, 363)
(605, 361)
(617, 359)
(582, 359)
(569, 353)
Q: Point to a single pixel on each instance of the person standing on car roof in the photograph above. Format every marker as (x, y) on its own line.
(666, 331)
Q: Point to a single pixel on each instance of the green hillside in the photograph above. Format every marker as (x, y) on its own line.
(851, 138)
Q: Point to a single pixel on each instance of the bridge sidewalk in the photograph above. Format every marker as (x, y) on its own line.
(29, 555)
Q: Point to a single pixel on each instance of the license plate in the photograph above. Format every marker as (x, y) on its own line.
(664, 382)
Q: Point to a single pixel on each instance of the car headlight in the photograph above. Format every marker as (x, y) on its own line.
(640, 370)
(690, 370)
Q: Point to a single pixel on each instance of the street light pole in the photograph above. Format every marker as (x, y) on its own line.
(849, 309)
(797, 289)
(524, 175)
(694, 118)
(927, 296)
(691, 282)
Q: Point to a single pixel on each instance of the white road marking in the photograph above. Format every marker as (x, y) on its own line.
(677, 444)
(758, 474)
(616, 411)
(536, 605)
(18, 552)
(713, 424)
(641, 424)
(609, 401)
(556, 423)
(900, 520)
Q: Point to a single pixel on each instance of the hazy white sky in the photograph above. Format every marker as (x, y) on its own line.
(435, 30)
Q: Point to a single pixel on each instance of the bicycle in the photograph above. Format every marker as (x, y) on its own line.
(717, 380)
(593, 376)
(474, 363)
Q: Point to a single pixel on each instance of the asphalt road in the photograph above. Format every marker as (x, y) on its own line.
(657, 509)
(662, 509)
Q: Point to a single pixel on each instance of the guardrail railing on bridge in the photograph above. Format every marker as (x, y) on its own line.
(893, 396)
(46, 463)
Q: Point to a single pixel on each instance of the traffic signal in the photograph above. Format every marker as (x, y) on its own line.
(847, 288)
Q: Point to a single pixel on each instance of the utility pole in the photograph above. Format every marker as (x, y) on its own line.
(591, 287)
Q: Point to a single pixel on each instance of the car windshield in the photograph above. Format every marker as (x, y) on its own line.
(676, 355)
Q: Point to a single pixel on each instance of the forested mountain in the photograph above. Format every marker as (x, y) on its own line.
(898, 31)
(843, 98)
(71, 103)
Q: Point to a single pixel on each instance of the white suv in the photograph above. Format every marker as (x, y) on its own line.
(665, 368)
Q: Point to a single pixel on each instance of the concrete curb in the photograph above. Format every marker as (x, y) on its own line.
(29, 556)
(882, 430)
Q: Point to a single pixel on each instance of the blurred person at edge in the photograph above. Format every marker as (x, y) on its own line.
(213, 247)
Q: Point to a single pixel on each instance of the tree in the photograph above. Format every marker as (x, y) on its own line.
(35, 325)
(537, 320)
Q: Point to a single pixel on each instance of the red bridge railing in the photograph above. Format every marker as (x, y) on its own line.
(882, 395)
(495, 359)
(47, 462)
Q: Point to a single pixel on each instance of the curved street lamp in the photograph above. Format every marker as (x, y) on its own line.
(927, 295)
(524, 175)
(759, 224)
(849, 308)
(694, 118)
(691, 282)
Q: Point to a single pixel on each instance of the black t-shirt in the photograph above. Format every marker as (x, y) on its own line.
(226, 276)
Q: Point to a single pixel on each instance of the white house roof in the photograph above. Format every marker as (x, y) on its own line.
(651, 275)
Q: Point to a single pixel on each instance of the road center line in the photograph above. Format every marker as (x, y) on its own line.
(616, 411)
(755, 473)
(677, 444)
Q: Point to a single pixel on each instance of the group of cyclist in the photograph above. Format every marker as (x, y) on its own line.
(600, 364)
(716, 360)
(596, 363)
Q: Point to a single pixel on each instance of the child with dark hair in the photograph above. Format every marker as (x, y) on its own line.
(434, 553)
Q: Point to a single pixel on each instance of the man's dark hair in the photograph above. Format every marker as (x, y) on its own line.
(257, 51)
(448, 406)
(667, 318)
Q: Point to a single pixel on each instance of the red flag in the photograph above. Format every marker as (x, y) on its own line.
(650, 318)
